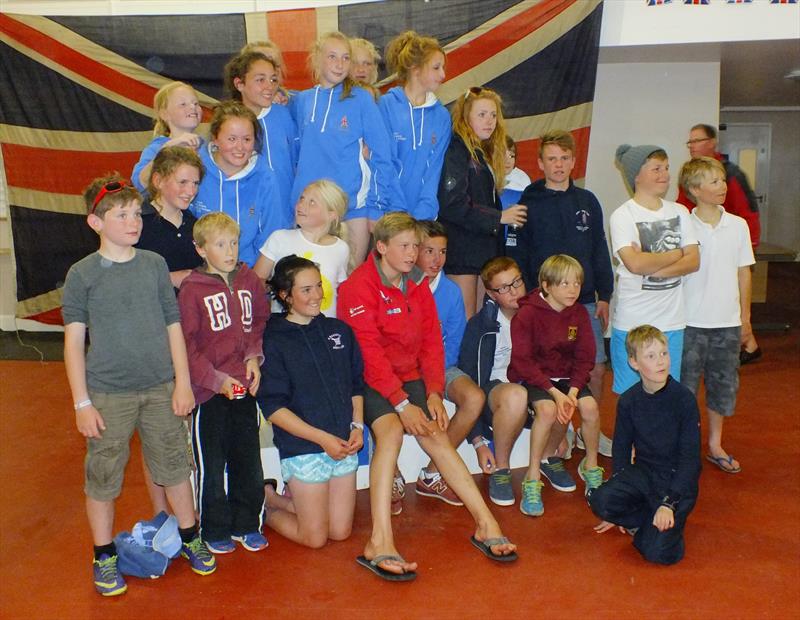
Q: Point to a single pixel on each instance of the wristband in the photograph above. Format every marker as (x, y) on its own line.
(480, 441)
(82, 404)
(401, 405)
(669, 502)
(356, 425)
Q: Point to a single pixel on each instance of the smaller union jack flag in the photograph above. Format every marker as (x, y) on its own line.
(738, 1)
(696, 1)
(783, 1)
(655, 2)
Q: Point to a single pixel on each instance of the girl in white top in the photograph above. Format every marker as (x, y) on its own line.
(320, 237)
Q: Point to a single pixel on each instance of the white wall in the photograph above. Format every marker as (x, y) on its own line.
(648, 96)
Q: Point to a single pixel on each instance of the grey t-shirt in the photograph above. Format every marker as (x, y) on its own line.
(126, 308)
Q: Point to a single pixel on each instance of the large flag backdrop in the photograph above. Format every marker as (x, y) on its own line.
(77, 94)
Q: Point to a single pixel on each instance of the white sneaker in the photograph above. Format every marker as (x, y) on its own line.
(605, 444)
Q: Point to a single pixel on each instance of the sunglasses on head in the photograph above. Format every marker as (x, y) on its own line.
(109, 188)
(473, 90)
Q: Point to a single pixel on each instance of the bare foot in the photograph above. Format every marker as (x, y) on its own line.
(393, 566)
(492, 530)
(275, 501)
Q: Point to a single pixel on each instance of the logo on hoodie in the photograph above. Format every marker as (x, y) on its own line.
(433, 139)
(343, 124)
(218, 316)
(336, 339)
(572, 333)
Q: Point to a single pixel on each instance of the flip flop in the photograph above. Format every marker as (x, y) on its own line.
(485, 547)
(725, 464)
(372, 565)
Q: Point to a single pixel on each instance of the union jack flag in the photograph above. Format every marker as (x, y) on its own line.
(78, 93)
(655, 2)
(696, 1)
(783, 1)
(739, 1)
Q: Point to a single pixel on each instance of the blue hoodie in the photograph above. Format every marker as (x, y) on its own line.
(148, 155)
(452, 316)
(248, 196)
(279, 152)
(331, 132)
(314, 371)
(418, 136)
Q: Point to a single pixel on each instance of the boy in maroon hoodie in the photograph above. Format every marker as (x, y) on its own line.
(553, 354)
(223, 314)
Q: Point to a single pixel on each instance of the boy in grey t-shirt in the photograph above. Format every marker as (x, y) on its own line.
(134, 377)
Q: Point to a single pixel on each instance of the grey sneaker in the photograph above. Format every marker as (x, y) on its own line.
(500, 490)
(553, 470)
(605, 444)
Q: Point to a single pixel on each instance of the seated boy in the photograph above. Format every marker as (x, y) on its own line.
(717, 301)
(223, 314)
(652, 497)
(459, 388)
(655, 243)
(552, 356)
(390, 307)
(485, 354)
(134, 377)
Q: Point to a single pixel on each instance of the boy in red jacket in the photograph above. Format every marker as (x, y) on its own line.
(553, 354)
(223, 314)
(391, 309)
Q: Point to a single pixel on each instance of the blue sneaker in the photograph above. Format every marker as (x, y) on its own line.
(531, 503)
(553, 470)
(593, 477)
(200, 559)
(500, 490)
(108, 581)
(254, 541)
(221, 547)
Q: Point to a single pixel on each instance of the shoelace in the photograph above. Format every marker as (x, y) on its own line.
(594, 476)
(198, 548)
(108, 569)
(531, 492)
(502, 478)
(557, 466)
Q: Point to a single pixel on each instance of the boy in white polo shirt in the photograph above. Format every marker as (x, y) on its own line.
(655, 243)
(717, 301)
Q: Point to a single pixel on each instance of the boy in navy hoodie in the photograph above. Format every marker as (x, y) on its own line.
(552, 355)
(652, 497)
(223, 314)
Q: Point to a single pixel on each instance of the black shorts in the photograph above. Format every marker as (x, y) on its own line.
(376, 406)
(562, 385)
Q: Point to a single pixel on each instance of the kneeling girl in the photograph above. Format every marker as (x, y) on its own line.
(312, 391)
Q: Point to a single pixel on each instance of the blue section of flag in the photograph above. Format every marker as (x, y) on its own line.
(655, 2)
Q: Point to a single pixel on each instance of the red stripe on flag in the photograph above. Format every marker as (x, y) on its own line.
(528, 154)
(294, 32)
(498, 38)
(61, 171)
(49, 317)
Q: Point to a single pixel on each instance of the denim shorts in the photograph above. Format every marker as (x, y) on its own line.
(714, 354)
(318, 467)
(625, 376)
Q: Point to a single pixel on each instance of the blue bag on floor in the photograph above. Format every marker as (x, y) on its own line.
(148, 551)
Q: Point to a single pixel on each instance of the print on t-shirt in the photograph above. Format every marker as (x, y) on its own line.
(656, 237)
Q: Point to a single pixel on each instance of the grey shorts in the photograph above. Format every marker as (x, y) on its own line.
(536, 393)
(376, 406)
(162, 433)
(599, 336)
(714, 354)
(450, 375)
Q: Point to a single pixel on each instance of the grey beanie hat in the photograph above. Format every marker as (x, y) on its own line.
(630, 160)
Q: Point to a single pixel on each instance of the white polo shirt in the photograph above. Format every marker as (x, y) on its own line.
(712, 292)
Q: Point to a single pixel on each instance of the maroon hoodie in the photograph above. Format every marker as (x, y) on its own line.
(547, 344)
(223, 326)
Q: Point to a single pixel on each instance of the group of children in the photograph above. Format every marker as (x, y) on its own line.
(381, 339)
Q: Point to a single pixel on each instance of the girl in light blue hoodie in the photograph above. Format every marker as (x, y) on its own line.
(418, 124)
(237, 181)
(334, 120)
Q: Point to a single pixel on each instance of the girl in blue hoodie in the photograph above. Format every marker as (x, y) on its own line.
(312, 392)
(417, 123)
(237, 181)
(254, 79)
(334, 120)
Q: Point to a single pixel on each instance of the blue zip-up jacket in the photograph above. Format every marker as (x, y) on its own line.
(279, 151)
(314, 371)
(249, 197)
(476, 357)
(565, 222)
(149, 154)
(331, 131)
(452, 317)
(418, 137)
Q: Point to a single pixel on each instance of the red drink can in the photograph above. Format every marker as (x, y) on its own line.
(239, 391)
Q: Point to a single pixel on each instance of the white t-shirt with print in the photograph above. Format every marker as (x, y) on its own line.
(502, 350)
(712, 292)
(332, 260)
(645, 299)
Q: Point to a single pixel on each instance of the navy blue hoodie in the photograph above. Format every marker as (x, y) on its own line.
(314, 371)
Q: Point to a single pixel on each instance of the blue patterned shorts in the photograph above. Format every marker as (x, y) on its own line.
(317, 467)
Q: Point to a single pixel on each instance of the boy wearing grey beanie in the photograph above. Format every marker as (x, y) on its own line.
(654, 241)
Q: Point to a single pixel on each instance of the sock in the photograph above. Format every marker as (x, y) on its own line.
(188, 534)
(110, 550)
